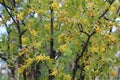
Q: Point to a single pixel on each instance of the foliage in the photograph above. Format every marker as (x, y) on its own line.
(61, 39)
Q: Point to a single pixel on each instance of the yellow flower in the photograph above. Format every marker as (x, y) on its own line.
(91, 5)
(47, 27)
(41, 58)
(68, 39)
(102, 61)
(63, 47)
(111, 38)
(24, 51)
(90, 13)
(30, 10)
(76, 42)
(112, 8)
(97, 28)
(54, 72)
(87, 67)
(54, 5)
(103, 48)
(20, 16)
(85, 21)
(61, 38)
(23, 39)
(94, 48)
(113, 73)
(37, 44)
(68, 77)
(39, 11)
(33, 32)
(29, 62)
(21, 69)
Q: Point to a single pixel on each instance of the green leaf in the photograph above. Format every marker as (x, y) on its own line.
(84, 4)
(68, 52)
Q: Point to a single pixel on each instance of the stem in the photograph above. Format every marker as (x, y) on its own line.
(76, 66)
(52, 54)
(106, 10)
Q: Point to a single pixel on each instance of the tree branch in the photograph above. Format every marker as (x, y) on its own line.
(81, 54)
(81, 29)
(5, 5)
(106, 10)
(52, 54)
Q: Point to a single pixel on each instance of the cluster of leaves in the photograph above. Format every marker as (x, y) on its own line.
(60, 39)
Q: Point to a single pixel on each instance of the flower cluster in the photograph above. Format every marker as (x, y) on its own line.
(68, 37)
(29, 61)
(54, 5)
(20, 16)
(42, 58)
(63, 47)
(97, 28)
(94, 48)
(30, 10)
(33, 32)
(54, 72)
(87, 67)
(113, 73)
(111, 38)
(61, 38)
(23, 39)
(39, 11)
(67, 77)
(21, 69)
(37, 44)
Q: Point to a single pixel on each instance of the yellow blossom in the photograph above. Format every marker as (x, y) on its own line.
(39, 11)
(54, 5)
(33, 32)
(37, 44)
(113, 73)
(102, 60)
(90, 13)
(85, 21)
(76, 42)
(30, 10)
(87, 67)
(63, 47)
(47, 27)
(97, 28)
(20, 16)
(68, 77)
(68, 39)
(91, 5)
(29, 61)
(111, 38)
(103, 48)
(111, 24)
(61, 38)
(24, 51)
(21, 69)
(41, 58)
(23, 39)
(94, 48)
(54, 72)
(112, 8)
